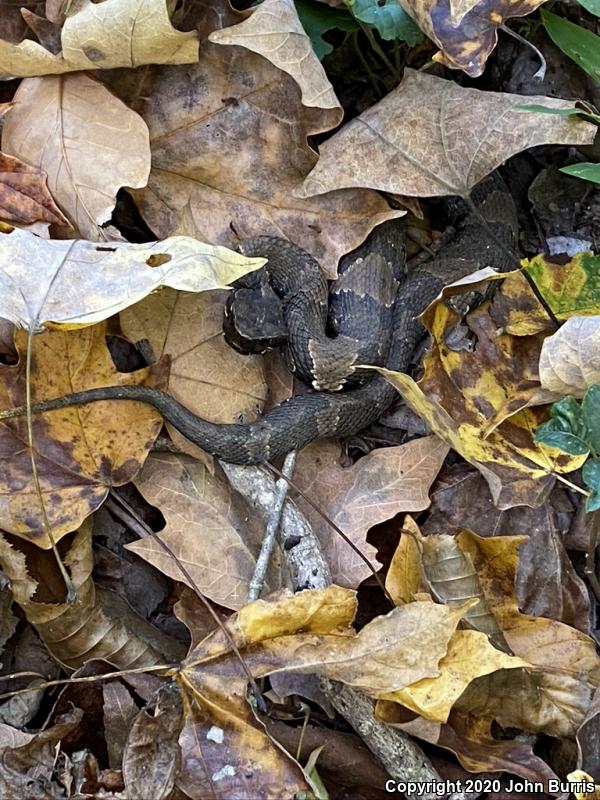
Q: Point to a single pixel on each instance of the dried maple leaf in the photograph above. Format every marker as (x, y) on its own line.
(383, 483)
(80, 452)
(24, 196)
(444, 146)
(115, 33)
(207, 528)
(86, 140)
(80, 283)
(466, 31)
(229, 148)
(275, 32)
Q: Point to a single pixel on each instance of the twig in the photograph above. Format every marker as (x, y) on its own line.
(268, 542)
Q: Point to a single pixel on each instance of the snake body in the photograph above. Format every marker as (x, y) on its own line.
(486, 238)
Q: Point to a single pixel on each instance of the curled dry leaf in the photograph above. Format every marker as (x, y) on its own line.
(207, 528)
(385, 482)
(81, 451)
(80, 631)
(466, 31)
(275, 32)
(24, 196)
(203, 183)
(86, 140)
(444, 146)
(206, 375)
(570, 358)
(80, 283)
(115, 33)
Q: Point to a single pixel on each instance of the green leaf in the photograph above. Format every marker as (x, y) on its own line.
(317, 19)
(390, 20)
(578, 43)
(559, 112)
(590, 472)
(590, 415)
(587, 171)
(593, 6)
(565, 441)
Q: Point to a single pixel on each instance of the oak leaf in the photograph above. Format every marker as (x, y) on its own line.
(115, 33)
(443, 147)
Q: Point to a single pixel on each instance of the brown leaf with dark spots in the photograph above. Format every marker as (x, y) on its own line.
(24, 195)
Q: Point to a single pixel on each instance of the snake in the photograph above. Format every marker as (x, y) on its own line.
(388, 303)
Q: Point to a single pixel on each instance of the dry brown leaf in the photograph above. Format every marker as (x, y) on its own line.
(74, 632)
(114, 33)
(206, 375)
(204, 183)
(384, 483)
(547, 582)
(569, 359)
(466, 31)
(79, 283)
(207, 528)
(80, 452)
(444, 146)
(24, 196)
(275, 32)
(86, 140)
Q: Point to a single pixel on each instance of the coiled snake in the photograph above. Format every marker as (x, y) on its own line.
(486, 238)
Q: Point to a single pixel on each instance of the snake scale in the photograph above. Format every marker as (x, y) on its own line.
(486, 237)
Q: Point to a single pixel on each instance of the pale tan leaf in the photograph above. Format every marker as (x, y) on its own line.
(114, 33)
(443, 146)
(86, 140)
(206, 375)
(80, 283)
(384, 483)
(275, 32)
(207, 528)
(570, 358)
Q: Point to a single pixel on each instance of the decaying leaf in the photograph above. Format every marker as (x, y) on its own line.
(275, 32)
(83, 630)
(207, 528)
(81, 451)
(444, 146)
(466, 32)
(386, 482)
(24, 196)
(86, 140)
(80, 283)
(115, 33)
(205, 184)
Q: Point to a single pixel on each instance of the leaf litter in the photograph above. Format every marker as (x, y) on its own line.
(140, 145)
